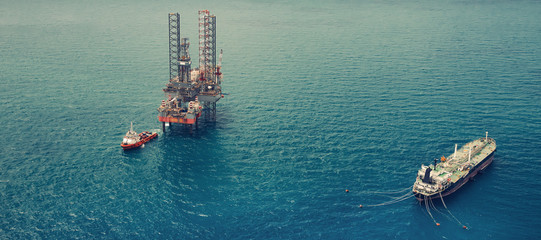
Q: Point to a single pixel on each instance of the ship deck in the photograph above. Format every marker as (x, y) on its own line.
(456, 165)
(454, 170)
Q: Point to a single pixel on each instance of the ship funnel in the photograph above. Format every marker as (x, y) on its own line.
(426, 179)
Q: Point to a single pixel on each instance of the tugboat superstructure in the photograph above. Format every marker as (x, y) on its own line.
(134, 140)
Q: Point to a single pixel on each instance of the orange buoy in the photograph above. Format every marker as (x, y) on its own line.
(360, 206)
(347, 190)
(437, 224)
(464, 227)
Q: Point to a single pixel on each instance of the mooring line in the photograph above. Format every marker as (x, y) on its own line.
(390, 192)
(398, 199)
(429, 213)
(463, 226)
(434, 207)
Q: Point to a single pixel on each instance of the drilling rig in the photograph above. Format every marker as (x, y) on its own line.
(190, 92)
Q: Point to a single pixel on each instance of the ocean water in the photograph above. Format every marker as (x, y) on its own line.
(323, 96)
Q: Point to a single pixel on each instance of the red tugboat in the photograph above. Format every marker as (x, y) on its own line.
(134, 140)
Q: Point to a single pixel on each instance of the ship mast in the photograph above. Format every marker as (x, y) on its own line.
(454, 155)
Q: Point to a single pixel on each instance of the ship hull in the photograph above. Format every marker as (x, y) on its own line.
(453, 188)
(139, 143)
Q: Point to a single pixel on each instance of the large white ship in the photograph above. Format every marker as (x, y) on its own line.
(441, 179)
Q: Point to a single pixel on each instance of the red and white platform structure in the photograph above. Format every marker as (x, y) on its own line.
(190, 91)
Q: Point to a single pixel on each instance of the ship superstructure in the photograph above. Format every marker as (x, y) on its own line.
(133, 140)
(441, 179)
(189, 91)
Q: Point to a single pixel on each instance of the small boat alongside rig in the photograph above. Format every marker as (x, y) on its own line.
(444, 178)
(134, 140)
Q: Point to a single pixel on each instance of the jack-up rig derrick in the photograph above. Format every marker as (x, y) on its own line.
(209, 73)
(186, 86)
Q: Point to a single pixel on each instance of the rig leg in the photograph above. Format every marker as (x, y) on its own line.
(163, 126)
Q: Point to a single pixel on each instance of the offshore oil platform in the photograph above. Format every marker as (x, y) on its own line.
(190, 92)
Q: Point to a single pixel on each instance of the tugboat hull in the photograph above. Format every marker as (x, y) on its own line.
(143, 140)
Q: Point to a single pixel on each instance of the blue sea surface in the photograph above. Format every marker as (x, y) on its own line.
(322, 96)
